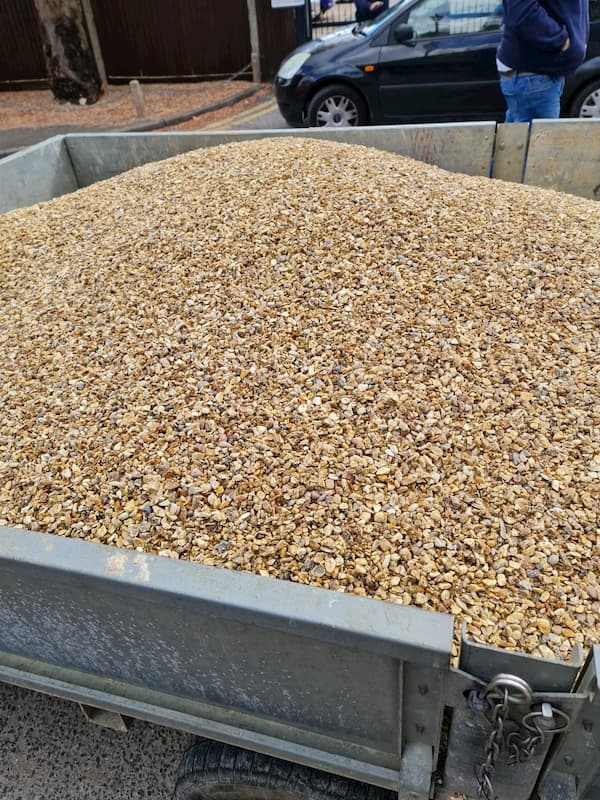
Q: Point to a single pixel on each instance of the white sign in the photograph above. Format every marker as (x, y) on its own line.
(286, 3)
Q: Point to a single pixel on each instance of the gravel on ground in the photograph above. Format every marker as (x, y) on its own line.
(28, 109)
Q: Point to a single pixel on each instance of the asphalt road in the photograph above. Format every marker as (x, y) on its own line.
(48, 751)
(263, 116)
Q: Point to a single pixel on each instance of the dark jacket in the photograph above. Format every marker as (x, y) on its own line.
(363, 9)
(534, 33)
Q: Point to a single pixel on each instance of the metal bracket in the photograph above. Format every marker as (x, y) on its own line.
(572, 771)
(106, 719)
(551, 682)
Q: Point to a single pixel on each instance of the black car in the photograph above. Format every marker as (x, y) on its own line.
(420, 61)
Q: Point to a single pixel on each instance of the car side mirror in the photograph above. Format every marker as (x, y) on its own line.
(403, 33)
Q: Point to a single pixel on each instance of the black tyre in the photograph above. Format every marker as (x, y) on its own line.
(336, 106)
(586, 103)
(214, 771)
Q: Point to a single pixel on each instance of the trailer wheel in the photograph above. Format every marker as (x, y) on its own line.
(214, 771)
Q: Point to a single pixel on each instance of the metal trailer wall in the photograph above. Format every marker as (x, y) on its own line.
(357, 687)
(284, 669)
(279, 668)
(560, 154)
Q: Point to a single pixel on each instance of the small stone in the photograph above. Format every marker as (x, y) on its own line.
(546, 652)
(543, 625)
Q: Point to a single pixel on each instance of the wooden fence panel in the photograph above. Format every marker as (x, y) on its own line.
(277, 31)
(153, 39)
(178, 39)
(21, 53)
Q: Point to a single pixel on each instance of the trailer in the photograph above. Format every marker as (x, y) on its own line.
(275, 678)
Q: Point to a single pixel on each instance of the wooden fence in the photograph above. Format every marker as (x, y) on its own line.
(21, 54)
(154, 40)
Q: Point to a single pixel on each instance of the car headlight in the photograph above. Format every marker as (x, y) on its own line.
(291, 65)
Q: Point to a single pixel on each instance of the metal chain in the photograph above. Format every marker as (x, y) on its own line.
(492, 748)
(498, 695)
(546, 721)
(497, 698)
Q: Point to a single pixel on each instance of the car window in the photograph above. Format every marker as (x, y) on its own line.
(372, 26)
(595, 9)
(445, 17)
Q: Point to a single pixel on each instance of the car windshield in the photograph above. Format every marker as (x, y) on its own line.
(371, 26)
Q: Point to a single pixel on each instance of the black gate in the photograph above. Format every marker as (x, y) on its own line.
(325, 17)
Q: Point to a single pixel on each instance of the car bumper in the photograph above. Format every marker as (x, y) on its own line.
(291, 99)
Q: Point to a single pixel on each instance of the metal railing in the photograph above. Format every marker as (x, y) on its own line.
(326, 17)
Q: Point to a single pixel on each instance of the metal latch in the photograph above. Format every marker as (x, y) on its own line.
(506, 701)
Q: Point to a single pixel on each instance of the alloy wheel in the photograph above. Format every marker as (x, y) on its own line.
(337, 111)
(590, 107)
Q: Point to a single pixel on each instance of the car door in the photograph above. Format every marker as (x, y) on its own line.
(447, 69)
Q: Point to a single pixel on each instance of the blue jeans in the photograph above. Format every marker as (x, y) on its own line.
(531, 97)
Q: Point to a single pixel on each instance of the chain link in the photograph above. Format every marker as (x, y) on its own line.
(499, 695)
(493, 746)
(539, 724)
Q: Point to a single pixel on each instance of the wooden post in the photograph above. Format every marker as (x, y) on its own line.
(254, 41)
(72, 70)
(138, 98)
(90, 24)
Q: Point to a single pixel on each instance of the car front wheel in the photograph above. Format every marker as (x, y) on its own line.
(336, 106)
(587, 102)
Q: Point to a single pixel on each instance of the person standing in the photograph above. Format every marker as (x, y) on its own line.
(542, 42)
(365, 9)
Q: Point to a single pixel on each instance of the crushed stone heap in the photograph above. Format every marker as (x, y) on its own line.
(319, 362)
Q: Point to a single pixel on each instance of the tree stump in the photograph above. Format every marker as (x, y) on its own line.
(70, 63)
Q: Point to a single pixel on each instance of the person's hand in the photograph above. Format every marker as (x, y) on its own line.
(377, 4)
(566, 45)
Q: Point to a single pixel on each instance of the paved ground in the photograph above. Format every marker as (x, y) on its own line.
(48, 751)
(263, 116)
(28, 117)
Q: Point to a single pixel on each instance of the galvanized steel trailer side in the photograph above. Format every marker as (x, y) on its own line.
(283, 669)
(559, 154)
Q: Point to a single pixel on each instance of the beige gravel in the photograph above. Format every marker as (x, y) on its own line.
(319, 362)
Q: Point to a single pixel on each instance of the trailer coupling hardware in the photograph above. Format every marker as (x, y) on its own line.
(503, 694)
